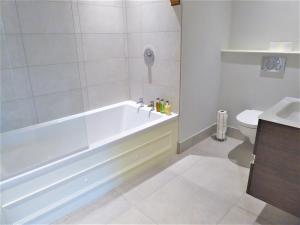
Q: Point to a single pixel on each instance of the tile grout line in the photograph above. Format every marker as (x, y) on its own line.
(37, 119)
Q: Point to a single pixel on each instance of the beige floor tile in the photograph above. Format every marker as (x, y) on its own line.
(145, 189)
(276, 216)
(251, 204)
(100, 211)
(132, 216)
(183, 202)
(266, 212)
(213, 148)
(219, 176)
(238, 216)
(184, 164)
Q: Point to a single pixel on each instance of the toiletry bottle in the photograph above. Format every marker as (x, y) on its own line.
(168, 108)
(162, 106)
(157, 104)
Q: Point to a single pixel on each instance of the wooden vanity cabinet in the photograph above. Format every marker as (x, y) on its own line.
(275, 171)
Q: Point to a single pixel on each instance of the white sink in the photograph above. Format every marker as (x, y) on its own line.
(286, 112)
(291, 112)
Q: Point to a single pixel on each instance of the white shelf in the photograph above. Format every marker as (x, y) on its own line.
(259, 51)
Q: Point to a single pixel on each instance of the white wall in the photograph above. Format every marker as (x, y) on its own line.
(205, 30)
(254, 25)
(242, 86)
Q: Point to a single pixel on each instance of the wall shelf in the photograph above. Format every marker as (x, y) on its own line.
(260, 51)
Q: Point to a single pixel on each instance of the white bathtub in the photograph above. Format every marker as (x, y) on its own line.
(51, 168)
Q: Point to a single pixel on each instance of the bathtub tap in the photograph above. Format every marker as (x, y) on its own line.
(141, 102)
(152, 108)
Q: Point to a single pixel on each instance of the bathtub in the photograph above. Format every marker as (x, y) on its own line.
(52, 168)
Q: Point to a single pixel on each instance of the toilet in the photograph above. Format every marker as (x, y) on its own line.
(248, 121)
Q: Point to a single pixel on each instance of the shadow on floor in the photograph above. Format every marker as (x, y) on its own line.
(242, 155)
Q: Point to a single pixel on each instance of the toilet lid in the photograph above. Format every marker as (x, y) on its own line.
(249, 118)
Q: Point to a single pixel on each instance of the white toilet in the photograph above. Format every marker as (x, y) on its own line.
(248, 121)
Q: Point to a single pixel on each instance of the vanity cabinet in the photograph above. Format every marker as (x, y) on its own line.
(275, 171)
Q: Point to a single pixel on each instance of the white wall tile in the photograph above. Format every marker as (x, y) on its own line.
(114, 3)
(136, 90)
(134, 19)
(9, 17)
(138, 70)
(45, 16)
(103, 46)
(106, 71)
(17, 114)
(107, 94)
(54, 78)
(135, 45)
(15, 84)
(95, 18)
(160, 17)
(166, 45)
(167, 73)
(50, 49)
(12, 52)
(58, 105)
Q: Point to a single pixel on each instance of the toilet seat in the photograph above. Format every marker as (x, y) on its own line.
(249, 118)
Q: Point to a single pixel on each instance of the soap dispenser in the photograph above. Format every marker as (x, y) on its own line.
(157, 104)
(162, 106)
(168, 108)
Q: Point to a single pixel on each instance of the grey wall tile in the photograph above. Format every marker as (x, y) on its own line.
(166, 72)
(160, 17)
(136, 90)
(45, 16)
(134, 19)
(106, 71)
(50, 49)
(17, 114)
(103, 46)
(59, 105)
(114, 3)
(138, 70)
(54, 78)
(9, 17)
(107, 94)
(12, 52)
(95, 18)
(15, 84)
(165, 44)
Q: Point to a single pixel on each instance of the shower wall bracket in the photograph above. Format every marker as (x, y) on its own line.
(175, 2)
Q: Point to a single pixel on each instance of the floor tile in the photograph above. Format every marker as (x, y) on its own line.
(101, 211)
(183, 202)
(148, 187)
(213, 148)
(221, 177)
(238, 216)
(251, 204)
(184, 164)
(132, 216)
(267, 212)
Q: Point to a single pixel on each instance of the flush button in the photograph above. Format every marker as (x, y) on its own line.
(274, 64)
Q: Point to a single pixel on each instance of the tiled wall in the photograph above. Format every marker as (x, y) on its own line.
(60, 57)
(155, 24)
